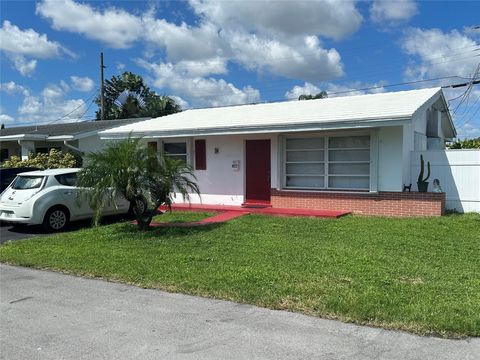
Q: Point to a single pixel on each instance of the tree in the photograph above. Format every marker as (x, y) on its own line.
(320, 95)
(466, 144)
(127, 96)
(129, 168)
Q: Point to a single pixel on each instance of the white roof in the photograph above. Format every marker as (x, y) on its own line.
(349, 111)
(51, 172)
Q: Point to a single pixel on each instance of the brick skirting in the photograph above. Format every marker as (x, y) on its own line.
(401, 204)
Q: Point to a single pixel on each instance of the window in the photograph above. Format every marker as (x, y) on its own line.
(341, 163)
(305, 163)
(349, 162)
(27, 182)
(67, 179)
(175, 150)
(200, 155)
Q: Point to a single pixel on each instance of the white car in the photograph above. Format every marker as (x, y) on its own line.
(49, 197)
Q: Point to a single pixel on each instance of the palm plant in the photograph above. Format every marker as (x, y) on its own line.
(130, 169)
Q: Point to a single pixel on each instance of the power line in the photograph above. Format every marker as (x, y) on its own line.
(346, 91)
(88, 108)
(469, 88)
(274, 85)
(71, 112)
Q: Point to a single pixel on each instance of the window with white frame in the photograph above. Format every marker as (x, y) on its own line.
(176, 150)
(334, 162)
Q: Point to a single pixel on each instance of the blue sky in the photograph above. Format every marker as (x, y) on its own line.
(211, 53)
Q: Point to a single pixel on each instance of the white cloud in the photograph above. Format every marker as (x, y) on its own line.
(473, 31)
(298, 57)
(437, 54)
(190, 69)
(24, 66)
(198, 90)
(27, 42)
(469, 130)
(114, 27)
(6, 119)
(283, 38)
(22, 45)
(393, 11)
(354, 88)
(13, 88)
(84, 84)
(303, 60)
(181, 102)
(306, 89)
(50, 105)
(334, 19)
(184, 42)
(334, 90)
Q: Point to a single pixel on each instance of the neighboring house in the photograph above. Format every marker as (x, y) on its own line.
(77, 137)
(346, 153)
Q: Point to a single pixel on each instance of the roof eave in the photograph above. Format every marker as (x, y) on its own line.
(352, 124)
(60, 137)
(25, 137)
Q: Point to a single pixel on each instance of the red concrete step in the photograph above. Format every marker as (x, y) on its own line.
(256, 206)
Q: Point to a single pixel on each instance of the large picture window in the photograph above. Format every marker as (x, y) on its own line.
(336, 162)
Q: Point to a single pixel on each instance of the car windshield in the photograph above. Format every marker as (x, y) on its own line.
(27, 182)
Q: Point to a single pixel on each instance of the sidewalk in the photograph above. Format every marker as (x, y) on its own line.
(47, 315)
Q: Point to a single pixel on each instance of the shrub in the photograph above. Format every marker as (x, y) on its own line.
(53, 160)
(466, 144)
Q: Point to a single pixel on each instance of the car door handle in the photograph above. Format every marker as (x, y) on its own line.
(68, 192)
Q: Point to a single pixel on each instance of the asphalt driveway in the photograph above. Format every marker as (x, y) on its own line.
(9, 232)
(46, 315)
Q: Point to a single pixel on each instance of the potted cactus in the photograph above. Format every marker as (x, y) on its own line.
(422, 183)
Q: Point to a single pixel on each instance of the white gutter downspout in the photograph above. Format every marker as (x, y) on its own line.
(65, 142)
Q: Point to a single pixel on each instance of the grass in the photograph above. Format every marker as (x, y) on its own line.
(182, 217)
(419, 275)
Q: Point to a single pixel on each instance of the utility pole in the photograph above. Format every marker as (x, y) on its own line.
(102, 101)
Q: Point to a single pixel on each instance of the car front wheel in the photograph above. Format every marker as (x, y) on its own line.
(56, 219)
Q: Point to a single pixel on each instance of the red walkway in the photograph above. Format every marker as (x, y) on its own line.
(267, 210)
(231, 212)
(218, 218)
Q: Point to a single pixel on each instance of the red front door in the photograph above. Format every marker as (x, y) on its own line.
(257, 171)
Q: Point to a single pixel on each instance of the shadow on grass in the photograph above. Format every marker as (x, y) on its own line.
(132, 229)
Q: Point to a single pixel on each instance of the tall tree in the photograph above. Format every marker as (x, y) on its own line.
(320, 95)
(127, 96)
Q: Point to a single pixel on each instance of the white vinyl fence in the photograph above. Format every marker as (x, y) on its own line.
(459, 175)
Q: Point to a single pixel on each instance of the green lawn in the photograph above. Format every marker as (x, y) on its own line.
(420, 275)
(182, 217)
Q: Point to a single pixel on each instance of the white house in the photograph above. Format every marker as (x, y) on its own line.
(78, 137)
(347, 153)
